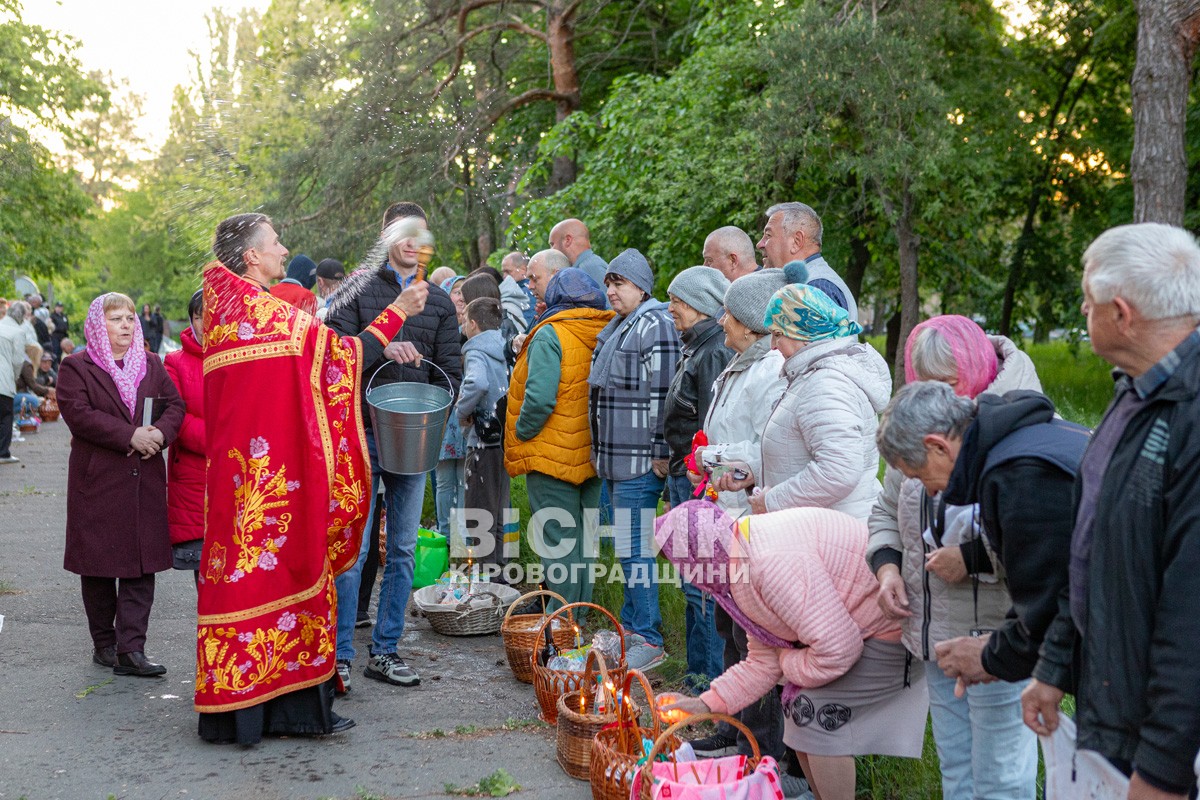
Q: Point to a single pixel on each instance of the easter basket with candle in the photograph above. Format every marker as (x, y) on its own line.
(520, 633)
(583, 712)
(617, 748)
(551, 679)
(459, 606)
(727, 778)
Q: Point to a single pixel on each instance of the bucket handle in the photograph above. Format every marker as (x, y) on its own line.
(431, 362)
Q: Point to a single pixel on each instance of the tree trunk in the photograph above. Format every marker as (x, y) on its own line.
(910, 301)
(1166, 43)
(860, 259)
(560, 28)
(892, 342)
(1016, 268)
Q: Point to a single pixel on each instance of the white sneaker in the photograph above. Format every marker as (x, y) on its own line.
(9, 460)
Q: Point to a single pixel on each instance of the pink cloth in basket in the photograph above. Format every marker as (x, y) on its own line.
(713, 779)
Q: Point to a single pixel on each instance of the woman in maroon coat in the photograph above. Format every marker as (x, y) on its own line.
(185, 463)
(116, 482)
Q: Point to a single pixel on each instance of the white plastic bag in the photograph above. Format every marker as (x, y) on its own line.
(1078, 774)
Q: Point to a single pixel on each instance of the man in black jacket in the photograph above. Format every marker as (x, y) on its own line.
(1011, 457)
(1135, 550)
(426, 347)
(695, 296)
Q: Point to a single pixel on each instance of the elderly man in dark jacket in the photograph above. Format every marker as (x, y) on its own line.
(695, 297)
(1016, 461)
(427, 350)
(1135, 550)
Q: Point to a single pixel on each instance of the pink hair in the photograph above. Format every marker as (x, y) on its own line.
(974, 356)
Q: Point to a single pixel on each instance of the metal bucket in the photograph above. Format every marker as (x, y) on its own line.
(409, 420)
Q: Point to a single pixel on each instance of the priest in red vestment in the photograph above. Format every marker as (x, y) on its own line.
(287, 487)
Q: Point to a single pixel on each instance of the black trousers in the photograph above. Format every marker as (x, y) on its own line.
(6, 423)
(488, 490)
(118, 611)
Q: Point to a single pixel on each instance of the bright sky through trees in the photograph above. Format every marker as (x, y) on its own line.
(143, 41)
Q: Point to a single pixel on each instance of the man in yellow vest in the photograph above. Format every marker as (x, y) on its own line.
(547, 437)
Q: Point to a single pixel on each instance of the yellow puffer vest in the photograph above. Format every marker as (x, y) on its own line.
(563, 448)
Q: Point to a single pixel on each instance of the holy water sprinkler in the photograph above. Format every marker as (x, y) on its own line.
(410, 228)
(424, 253)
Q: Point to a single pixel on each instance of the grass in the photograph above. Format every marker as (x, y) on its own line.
(1080, 385)
(1076, 379)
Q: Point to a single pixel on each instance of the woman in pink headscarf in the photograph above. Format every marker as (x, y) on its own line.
(117, 480)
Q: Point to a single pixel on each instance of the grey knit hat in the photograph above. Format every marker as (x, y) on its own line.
(702, 288)
(633, 267)
(748, 296)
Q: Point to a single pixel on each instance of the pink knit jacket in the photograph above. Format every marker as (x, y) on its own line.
(808, 582)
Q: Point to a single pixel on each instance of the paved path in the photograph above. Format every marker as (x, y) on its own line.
(70, 729)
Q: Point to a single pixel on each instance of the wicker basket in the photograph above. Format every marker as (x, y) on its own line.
(550, 684)
(663, 741)
(519, 633)
(49, 410)
(479, 615)
(578, 725)
(617, 749)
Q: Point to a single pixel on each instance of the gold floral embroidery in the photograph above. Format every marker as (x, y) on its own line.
(254, 488)
(239, 661)
(216, 561)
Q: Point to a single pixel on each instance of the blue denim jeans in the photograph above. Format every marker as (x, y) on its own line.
(403, 498)
(25, 401)
(985, 750)
(705, 648)
(634, 544)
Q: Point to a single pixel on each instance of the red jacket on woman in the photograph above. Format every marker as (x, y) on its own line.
(185, 463)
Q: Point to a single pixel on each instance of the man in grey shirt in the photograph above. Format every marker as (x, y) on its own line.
(572, 238)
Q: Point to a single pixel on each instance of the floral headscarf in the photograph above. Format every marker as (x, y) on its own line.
(697, 537)
(126, 378)
(806, 314)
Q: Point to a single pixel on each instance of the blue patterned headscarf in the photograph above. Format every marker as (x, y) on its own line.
(804, 313)
(572, 288)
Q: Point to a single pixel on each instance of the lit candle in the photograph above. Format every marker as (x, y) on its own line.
(673, 715)
(578, 638)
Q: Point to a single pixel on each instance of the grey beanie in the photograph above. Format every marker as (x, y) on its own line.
(702, 288)
(748, 296)
(633, 267)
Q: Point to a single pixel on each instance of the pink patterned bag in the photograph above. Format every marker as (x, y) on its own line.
(728, 778)
(716, 779)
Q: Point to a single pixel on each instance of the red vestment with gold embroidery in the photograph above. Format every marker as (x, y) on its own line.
(286, 496)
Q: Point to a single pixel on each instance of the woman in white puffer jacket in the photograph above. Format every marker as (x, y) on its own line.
(818, 448)
(746, 391)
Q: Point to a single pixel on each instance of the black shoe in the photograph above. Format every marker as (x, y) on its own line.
(341, 724)
(363, 622)
(105, 656)
(715, 746)
(137, 664)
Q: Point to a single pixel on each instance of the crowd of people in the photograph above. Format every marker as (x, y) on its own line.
(1008, 557)
(33, 340)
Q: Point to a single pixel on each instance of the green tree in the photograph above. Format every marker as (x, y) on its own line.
(42, 208)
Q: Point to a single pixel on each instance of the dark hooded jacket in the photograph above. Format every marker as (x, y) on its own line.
(703, 358)
(434, 331)
(1019, 463)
